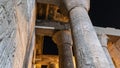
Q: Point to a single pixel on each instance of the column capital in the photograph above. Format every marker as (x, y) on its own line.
(70, 4)
(62, 37)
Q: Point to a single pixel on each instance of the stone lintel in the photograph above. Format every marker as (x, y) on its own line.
(52, 26)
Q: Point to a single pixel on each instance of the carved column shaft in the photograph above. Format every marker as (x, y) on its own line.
(64, 42)
(65, 56)
(88, 50)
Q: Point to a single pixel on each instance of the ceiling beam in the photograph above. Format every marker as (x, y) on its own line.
(55, 2)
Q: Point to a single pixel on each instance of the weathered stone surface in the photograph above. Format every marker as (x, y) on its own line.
(14, 28)
(104, 40)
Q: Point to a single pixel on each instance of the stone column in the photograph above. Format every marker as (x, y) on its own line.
(87, 48)
(38, 65)
(104, 40)
(52, 65)
(64, 42)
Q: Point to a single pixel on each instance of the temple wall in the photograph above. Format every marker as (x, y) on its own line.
(17, 19)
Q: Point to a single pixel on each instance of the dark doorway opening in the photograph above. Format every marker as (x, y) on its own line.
(44, 66)
(49, 47)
